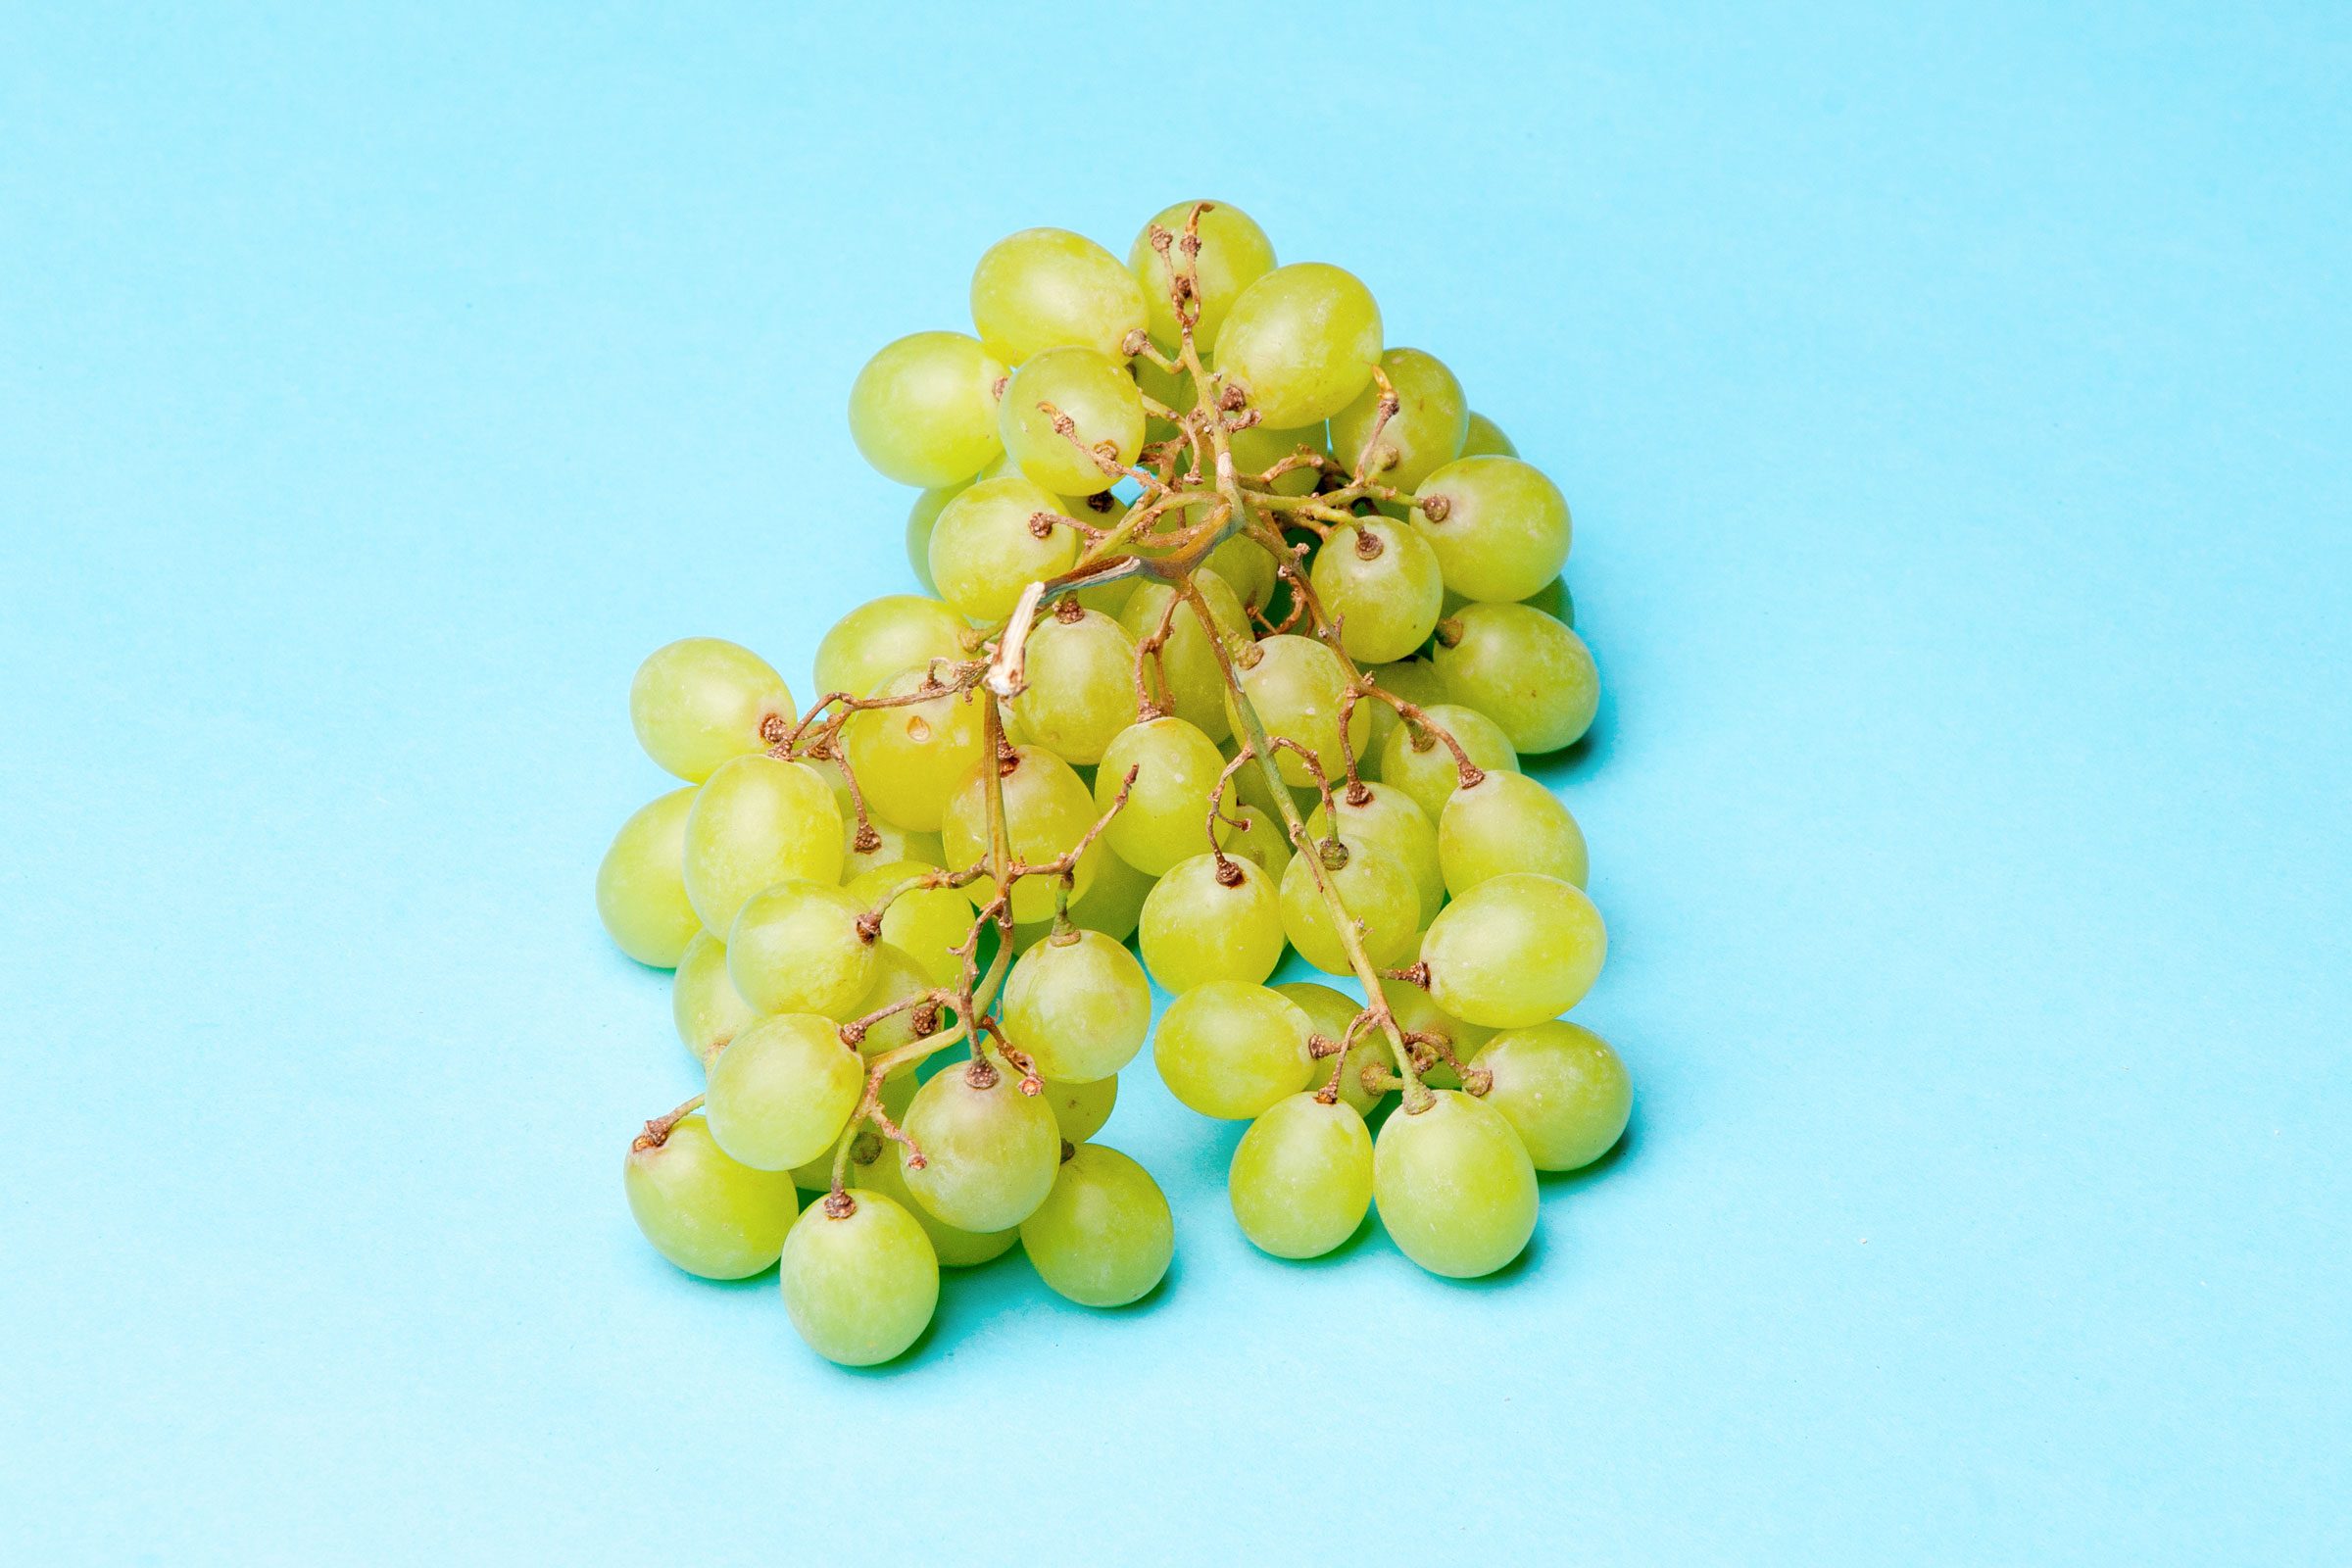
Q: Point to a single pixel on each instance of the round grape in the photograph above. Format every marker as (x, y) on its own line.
(1562, 1090)
(909, 756)
(1301, 1177)
(923, 411)
(708, 1213)
(1046, 811)
(860, 1286)
(1166, 815)
(1198, 927)
(1234, 254)
(1079, 1004)
(1425, 767)
(1297, 684)
(996, 539)
(954, 1248)
(885, 636)
(1230, 1049)
(1081, 690)
(1097, 395)
(1379, 579)
(1427, 431)
(702, 700)
(1379, 897)
(1499, 527)
(1523, 669)
(1047, 288)
(641, 884)
(1507, 822)
(989, 1151)
(1454, 1187)
(782, 1091)
(757, 822)
(796, 946)
(1515, 950)
(1104, 1236)
(1301, 342)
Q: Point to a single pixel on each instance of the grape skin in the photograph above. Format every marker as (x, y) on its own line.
(884, 636)
(1079, 1004)
(1484, 438)
(923, 411)
(1081, 690)
(1387, 604)
(1230, 1049)
(1377, 893)
(705, 1005)
(1080, 1110)
(641, 885)
(701, 700)
(1301, 342)
(990, 1151)
(1196, 930)
(1508, 822)
(1532, 677)
(1235, 253)
(1046, 811)
(860, 1288)
(1166, 815)
(1296, 684)
(1092, 391)
(796, 948)
(985, 550)
(782, 1090)
(1427, 429)
(1332, 1013)
(1047, 288)
(1104, 1237)
(708, 1213)
(1506, 531)
(1300, 1181)
(954, 1248)
(1392, 822)
(1562, 1090)
(1515, 950)
(909, 756)
(1454, 1187)
(1425, 767)
(1185, 673)
(757, 822)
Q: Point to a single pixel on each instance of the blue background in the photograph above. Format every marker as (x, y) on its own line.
(1953, 401)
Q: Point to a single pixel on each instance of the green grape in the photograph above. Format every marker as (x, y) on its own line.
(1081, 690)
(1092, 390)
(815, 1175)
(1246, 568)
(641, 884)
(1301, 1177)
(1230, 1049)
(1104, 1235)
(1047, 288)
(1260, 447)
(1378, 893)
(1515, 950)
(782, 1091)
(1166, 815)
(1297, 685)
(1508, 822)
(996, 539)
(1046, 811)
(860, 1288)
(923, 411)
(1301, 341)
(1484, 438)
(1080, 1110)
(885, 636)
(757, 822)
(909, 755)
(1079, 1004)
(1413, 679)
(701, 700)
(893, 845)
(1333, 1014)
(897, 978)
(1392, 822)
(1416, 1013)
(1170, 389)
(1504, 531)
(1250, 782)
(703, 1004)
(796, 948)
(1424, 767)
(1197, 929)
(708, 1214)
(1553, 599)
(919, 520)
(1113, 903)
(1187, 674)
(1234, 254)
(988, 1151)
(1105, 597)
(1562, 1090)
(1379, 579)
(1427, 431)
(1454, 1187)
(956, 1248)
(921, 922)
(1523, 669)
(1259, 840)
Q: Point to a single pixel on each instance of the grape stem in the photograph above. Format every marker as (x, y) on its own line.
(657, 1132)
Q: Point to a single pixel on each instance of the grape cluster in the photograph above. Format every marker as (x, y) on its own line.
(1236, 624)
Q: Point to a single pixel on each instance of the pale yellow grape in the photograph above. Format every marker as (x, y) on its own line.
(1195, 929)
(1553, 599)
(1532, 677)
(954, 1248)
(1300, 1181)
(990, 1151)
(1563, 1091)
(1259, 839)
(897, 978)
(1378, 894)
(796, 948)
(1114, 902)
(1230, 1049)
(884, 636)
(909, 755)
(1380, 581)
(641, 883)
(1081, 690)
(1047, 288)
(1425, 767)
(1261, 447)
(1298, 686)
(782, 1091)
(1234, 254)
(1508, 822)
(1166, 815)
(921, 922)
(1454, 1187)
(708, 1213)
(1332, 1013)
(1392, 821)
(1301, 342)
(997, 538)
(1080, 1110)
(1165, 389)
(1505, 528)
(1046, 811)
(1247, 568)
(1417, 1013)
(1515, 950)
(1484, 438)
(702, 700)
(815, 1175)
(923, 411)
(919, 520)
(1185, 668)
(757, 822)
(860, 1288)
(1413, 679)
(893, 845)
(1079, 1004)
(703, 1004)
(1427, 431)
(1104, 1235)
(1092, 390)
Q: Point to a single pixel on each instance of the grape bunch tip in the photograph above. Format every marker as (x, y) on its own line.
(1235, 624)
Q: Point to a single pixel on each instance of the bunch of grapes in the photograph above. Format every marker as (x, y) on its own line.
(1236, 624)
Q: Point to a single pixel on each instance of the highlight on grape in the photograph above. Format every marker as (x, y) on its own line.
(1235, 624)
